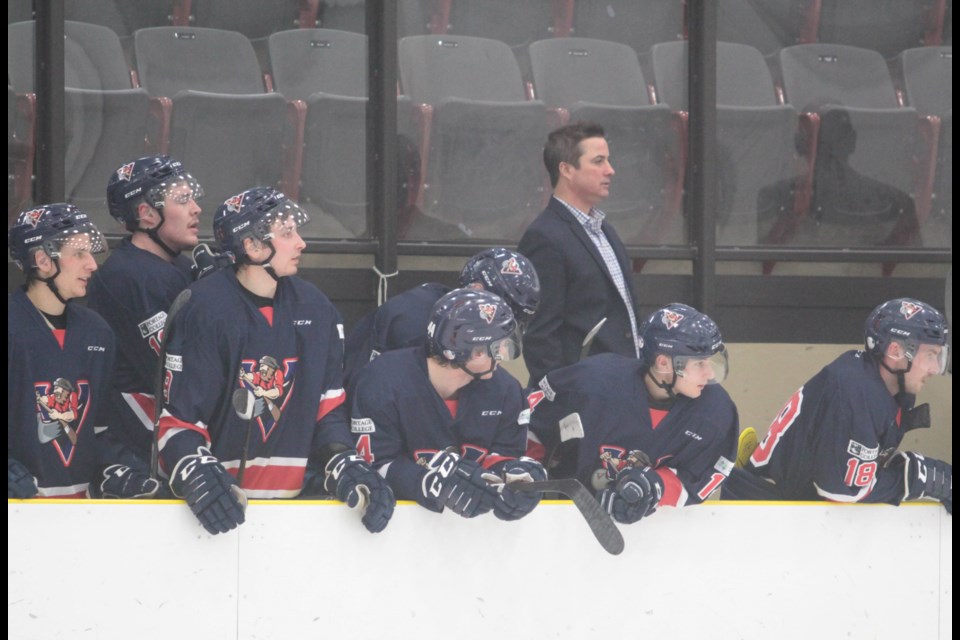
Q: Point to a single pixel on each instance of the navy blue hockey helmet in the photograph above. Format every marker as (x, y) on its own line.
(149, 179)
(684, 334)
(509, 275)
(251, 214)
(50, 227)
(465, 321)
(909, 322)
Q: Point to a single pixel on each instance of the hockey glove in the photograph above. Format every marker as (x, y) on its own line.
(120, 481)
(637, 493)
(353, 481)
(20, 482)
(459, 485)
(926, 478)
(513, 505)
(209, 490)
(206, 261)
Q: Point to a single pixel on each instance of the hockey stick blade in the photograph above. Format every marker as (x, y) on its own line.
(603, 527)
(182, 298)
(588, 339)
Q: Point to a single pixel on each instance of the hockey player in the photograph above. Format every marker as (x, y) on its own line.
(60, 359)
(217, 347)
(442, 422)
(401, 320)
(156, 199)
(837, 436)
(658, 431)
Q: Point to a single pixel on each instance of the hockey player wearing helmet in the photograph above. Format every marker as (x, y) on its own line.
(242, 325)
(837, 436)
(442, 422)
(658, 431)
(60, 361)
(400, 321)
(155, 199)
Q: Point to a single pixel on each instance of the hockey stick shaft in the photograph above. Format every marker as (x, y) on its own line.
(601, 524)
(175, 307)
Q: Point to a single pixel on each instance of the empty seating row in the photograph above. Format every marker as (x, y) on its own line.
(478, 136)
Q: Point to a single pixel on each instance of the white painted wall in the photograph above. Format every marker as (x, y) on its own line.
(105, 570)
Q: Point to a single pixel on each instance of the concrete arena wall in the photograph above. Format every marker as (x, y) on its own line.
(105, 570)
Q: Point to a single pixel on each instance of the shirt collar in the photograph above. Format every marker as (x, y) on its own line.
(593, 220)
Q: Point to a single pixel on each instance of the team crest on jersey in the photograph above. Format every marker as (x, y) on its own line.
(909, 309)
(511, 267)
(31, 217)
(62, 408)
(671, 318)
(487, 312)
(271, 384)
(233, 204)
(124, 172)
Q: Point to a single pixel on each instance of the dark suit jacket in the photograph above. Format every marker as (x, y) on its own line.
(576, 292)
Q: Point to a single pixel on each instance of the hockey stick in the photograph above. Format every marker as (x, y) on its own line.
(175, 307)
(602, 525)
(588, 339)
(243, 404)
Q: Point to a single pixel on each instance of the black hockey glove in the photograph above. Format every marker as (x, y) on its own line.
(925, 478)
(206, 261)
(120, 481)
(461, 485)
(20, 482)
(353, 481)
(637, 493)
(513, 505)
(209, 490)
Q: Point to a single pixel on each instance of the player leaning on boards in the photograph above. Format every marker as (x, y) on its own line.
(658, 431)
(216, 353)
(837, 436)
(60, 359)
(155, 198)
(402, 320)
(442, 422)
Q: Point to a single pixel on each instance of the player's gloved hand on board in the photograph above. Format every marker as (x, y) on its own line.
(20, 482)
(635, 496)
(513, 505)
(458, 484)
(206, 261)
(925, 478)
(210, 491)
(354, 481)
(121, 481)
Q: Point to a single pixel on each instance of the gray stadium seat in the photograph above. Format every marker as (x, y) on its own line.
(107, 121)
(754, 135)
(224, 127)
(865, 180)
(602, 81)
(887, 26)
(482, 167)
(928, 87)
(639, 24)
(769, 25)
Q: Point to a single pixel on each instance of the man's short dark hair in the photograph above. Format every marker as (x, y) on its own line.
(563, 145)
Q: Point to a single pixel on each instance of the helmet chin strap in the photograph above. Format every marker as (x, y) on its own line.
(154, 234)
(668, 387)
(50, 281)
(900, 373)
(266, 262)
(476, 376)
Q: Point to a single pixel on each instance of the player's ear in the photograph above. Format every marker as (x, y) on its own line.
(43, 261)
(148, 216)
(894, 350)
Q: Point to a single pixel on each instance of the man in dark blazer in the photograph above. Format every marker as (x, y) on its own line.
(585, 275)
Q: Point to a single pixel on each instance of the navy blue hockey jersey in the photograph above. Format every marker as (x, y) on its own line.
(54, 394)
(601, 404)
(221, 344)
(400, 421)
(399, 322)
(133, 291)
(831, 439)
